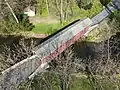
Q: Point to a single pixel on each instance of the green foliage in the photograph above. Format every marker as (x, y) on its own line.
(116, 18)
(47, 81)
(8, 23)
(105, 2)
(50, 81)
(24, 20)
(41, 9)
(72, 15)
(81, 13)
(17, 6)
(11, 28)
(85, 4)
(44, 81)
(80, 84)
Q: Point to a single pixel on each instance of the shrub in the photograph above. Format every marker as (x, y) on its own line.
(24, 20)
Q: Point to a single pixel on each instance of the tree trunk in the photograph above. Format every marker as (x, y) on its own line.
(61, 12)
(12, 11)
(47, 6)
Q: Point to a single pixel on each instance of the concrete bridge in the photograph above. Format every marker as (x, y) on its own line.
(51, 48)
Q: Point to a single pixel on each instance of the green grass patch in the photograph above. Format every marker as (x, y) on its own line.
(44, 28)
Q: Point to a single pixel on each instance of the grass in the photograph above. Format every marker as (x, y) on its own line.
(84, 84)
(81, 84)
(44, 28)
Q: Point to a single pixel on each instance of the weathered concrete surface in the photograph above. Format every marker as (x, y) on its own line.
(117, 4)
(18, 73)
(102, 15)
(1, 82)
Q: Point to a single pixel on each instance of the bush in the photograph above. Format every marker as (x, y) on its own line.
(85, 4)
(9, 26)
(24, 20)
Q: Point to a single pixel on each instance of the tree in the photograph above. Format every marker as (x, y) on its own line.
(57, 76)
(13, 11)
(85, 4)
(12, 55)
(105, 2)
(62, 9)
(15, 7)
(64, 67)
